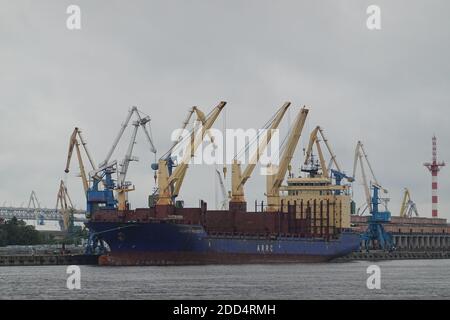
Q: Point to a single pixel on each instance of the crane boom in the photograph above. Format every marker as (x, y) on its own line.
(34, 200)
(408, 206)
(224, 202)
(238, 179)
(75, 144)
(333, 156)
(314, 139)
(276, 174)
(200, 117)
(64, 205)
(128, 156)
(122, 185)
(118, 137)
(142, 123)
(175, 180)
(360, 156)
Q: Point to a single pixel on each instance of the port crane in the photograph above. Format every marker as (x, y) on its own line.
(34, 201)
(224, 202)
(375, 230)
(65, 206)
(408, 207)
(238, 179)
(309, 165)
(172, 160)
(76, 140)
(276, 174)
(169, 184)
(362, 158)
(107, 168)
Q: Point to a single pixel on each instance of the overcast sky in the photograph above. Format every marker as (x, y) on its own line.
(389, 88)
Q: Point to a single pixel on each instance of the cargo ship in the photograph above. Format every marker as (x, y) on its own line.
(305, 220)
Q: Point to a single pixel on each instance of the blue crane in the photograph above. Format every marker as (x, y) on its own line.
(375, 231)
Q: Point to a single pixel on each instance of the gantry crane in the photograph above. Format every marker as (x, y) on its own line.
(65, 206)
(408, 207)
(238, 179)
(276, 174)
(169, 184)
(375, 230)
(37, 208)
(337, 173)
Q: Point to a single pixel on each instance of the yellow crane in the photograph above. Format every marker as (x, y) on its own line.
(169, 184)
(314, 139)
(408, 206)
(238, 179)
(64, 205)
(276, 174)
(77, 139)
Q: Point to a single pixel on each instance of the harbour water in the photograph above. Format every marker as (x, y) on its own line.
(400, 279)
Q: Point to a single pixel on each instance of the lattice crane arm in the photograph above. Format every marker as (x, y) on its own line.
(288, 153)
(238, 179)
(119, 136)
(170, 185)
(77, 139)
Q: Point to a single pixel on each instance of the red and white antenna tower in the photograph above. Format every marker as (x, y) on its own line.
(434, 167)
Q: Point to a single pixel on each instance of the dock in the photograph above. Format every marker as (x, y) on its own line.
(48, 260)
(395, 255)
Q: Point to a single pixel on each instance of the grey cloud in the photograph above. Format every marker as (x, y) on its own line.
(388, 88)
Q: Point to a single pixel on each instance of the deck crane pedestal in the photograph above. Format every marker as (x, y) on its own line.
(169, 183)
(375, 231)
(238, 179)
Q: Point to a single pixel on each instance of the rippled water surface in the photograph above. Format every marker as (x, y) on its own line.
(406, 279)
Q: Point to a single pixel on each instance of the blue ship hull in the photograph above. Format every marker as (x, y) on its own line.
(168, 243)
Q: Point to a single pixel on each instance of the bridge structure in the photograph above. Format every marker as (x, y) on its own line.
(37, 214)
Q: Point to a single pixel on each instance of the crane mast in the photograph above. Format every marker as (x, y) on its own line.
(276, 174)
(408, 206)
(314, 139)
(224, 202)
(361, 157)
(107, 168)
(122, 185)
(239, 179)
(169, 184)
(64, 205)
(118, 137)
(77, 139)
